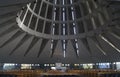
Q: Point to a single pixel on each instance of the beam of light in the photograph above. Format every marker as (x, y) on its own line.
(112, 45)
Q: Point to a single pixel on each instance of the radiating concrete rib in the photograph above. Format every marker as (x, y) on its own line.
(10, 9)
(25, 38)
(4, 3)
(84, 22)
(9, 29)
(85, 29)
(4, 27)
(43, 44)
(6, 19)
(115, 35)
(13, 36)
(33, 42)
(98, 45)
(109, 43)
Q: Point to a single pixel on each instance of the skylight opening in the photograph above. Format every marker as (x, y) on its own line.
(64, 53)
(64, 47)
(53, 28)
(55, 1)
(77, 52)
(64, 30)
(63, 2)
(74, 28)
(51, 45)
(73, 17)
(76, 45)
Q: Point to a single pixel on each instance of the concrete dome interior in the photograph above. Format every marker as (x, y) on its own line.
(67, 31)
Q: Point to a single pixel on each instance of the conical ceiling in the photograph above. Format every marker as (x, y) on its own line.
(67, 31)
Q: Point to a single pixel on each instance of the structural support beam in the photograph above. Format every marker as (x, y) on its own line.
(4, 3)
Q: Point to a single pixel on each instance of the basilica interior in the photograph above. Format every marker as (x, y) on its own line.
(59, 38)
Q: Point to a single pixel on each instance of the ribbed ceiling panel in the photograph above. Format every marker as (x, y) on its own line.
(67, 31)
